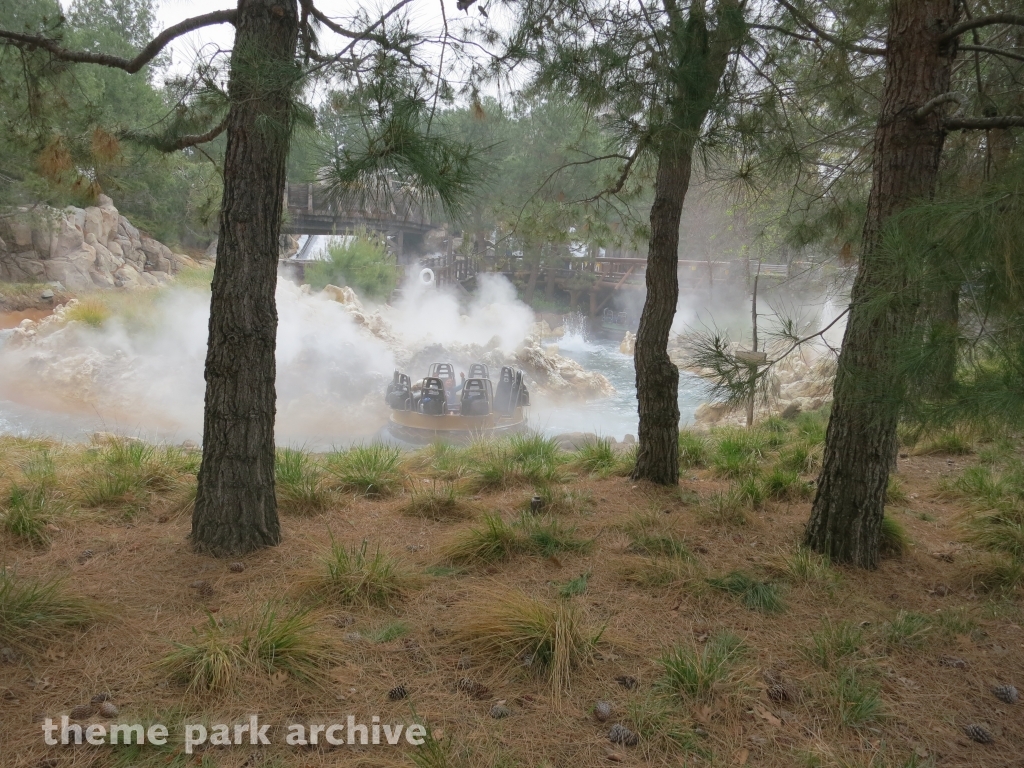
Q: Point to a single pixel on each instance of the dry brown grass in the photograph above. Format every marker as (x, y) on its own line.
(142, 570)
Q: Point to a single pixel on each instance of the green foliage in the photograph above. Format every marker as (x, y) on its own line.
(369, 470)
(298, 479)
(364, 263)
(694, 449)
(32, 611)
(520, 459)
(444, 503)
(834, 644)
(855, 698)
(351, 576)
(894, 539)
(695, 674)
(757, 595)
(907, 631)
(498, 540)
(596, 456)
(270, 642)
(25, 515)
(574, 587)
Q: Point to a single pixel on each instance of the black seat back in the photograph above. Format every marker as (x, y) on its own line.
(477, 396)
(399, 394)
(432, 397)
(505, 396)
(478, 371)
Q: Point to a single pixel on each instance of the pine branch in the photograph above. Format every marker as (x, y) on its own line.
(983, 123)
(943, 98)
(624, 175)
(993, 51)
(981, 21)
(827, 36)
(131, 66)
(178, 143)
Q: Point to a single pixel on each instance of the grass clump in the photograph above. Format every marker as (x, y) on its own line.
(127, 472)
(855, 699)
(498, 540)
(596, 457)
(520, 459)
(724, 508)
(694, 449)
(667, 544)
(784, 485)
(894, 540)
(894, 492)
(907, 631)
(298, 479)
(574, 587)
(757, 595)
(737, 453)
(807, 567)
(438, 503)
(25, 515)
(696, 675)
(492, 542)
(352, 576)
(220, 653)
(443, 461)
(368, 470)
(997, 574)
(660, 727)
(953, 442)
(32, 611)
(92, 312)
(555, 638)
(835, 643)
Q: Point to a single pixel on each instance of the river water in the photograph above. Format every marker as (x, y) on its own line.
(615, 416)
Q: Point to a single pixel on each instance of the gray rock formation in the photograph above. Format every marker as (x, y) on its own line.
(84, 249)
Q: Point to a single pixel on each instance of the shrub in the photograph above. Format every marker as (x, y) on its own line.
(364, 263)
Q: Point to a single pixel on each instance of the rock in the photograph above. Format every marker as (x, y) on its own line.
(628, 344)
(46, 294)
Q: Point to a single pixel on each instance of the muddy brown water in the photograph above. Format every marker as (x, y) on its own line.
(12, 319)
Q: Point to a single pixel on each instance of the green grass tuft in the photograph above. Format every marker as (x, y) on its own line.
(907, 631)
(757, 595)
(596, 457)
(352, 576)
(894, 540)
(696, 674)
(438, 503)
(368, 470)
(221, 653)
(833, 644)
(299, 481)
(32, 611)
(25, 515)
(492, 542)
(694, 449)
(574, 587)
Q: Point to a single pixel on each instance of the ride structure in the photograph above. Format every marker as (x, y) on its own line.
(431, 409)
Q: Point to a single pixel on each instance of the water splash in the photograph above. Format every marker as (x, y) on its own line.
(576, 337)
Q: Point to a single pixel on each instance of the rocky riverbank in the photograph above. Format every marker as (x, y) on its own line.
(83, 249)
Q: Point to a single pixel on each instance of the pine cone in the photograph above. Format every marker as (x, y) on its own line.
(397, 693)
(952, 661)
(498, 711)
(108, 710)
(620, 734)
(1006, 693)
(602, 710)
(472, 687)
(778, 693)
(81, 712)
(628, 682)
(99, 698)
(978, 733)
(236, 567)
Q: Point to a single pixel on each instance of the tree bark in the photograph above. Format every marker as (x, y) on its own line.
(657, 377)
(236, 510)
(860, 443)
(700, 58)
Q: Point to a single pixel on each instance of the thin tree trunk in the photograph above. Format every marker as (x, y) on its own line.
(235, 510)
(860, 444)
(657, 377)
(531, 283)
(697, 73)
(753, 347)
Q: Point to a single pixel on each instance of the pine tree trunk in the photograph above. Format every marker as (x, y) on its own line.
(696, 75)
(235, 510)
(657, 378)
(860, 444)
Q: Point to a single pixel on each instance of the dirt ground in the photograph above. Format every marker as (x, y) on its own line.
(143, 571)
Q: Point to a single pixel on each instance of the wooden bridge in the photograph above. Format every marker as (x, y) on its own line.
(310, 211)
